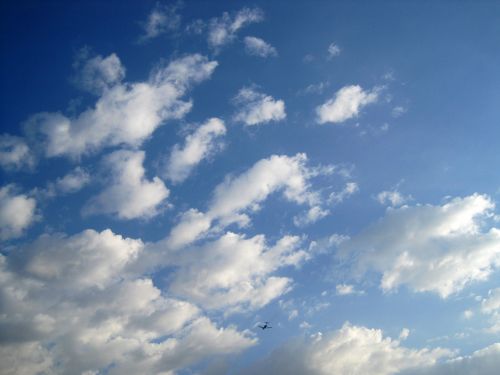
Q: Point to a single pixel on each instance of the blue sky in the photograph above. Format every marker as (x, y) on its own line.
(173, 174)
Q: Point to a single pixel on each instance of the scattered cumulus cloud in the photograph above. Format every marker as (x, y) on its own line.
(258, 47)
(314, 214)
(398, 111)
(73, 181)
(255, 108)
(428, 248)
(223, 30)
(162, 19)
(234, 273)
(236, 196)
(199, 145)
(485, 361)
(351, 350)
(346, 104)
(97, 74)
(125, 114)
(128, 194)
(71, 304)
(338, 197)
(15, 154)
(392, 198)
(17, 212)
(346, 289)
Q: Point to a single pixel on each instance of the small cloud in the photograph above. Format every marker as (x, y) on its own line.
(223, 30)
(308, 58)
(162, 19)
(256, 108)
(15, 154)
(346, 104)
(97, 74)
(468, 314)
(398, 111)
(392, 198)
(17, 212)
(258, 47)
(73, 181)
(305, 325)
(314, 214)
(347, 289)
(317, 88)
(405, 332)
(333, 51)
(338, 197)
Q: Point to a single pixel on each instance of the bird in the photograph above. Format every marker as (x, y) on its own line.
(265, 326)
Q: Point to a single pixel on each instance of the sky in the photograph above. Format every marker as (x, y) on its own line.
(174, 174)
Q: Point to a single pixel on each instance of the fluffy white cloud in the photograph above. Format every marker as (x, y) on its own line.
(333, 50)
(69, 304)
(162, 19)
(73, 181)
(314, 214)
(17, 212)
(125, 114)
(256, 108)
(258, 47)
(392, 198)
(14, 153)
(346, 289)
(346, 104)
(492, 302)
(233, 198)
(353, 350)
(234, 272)
(128, 194)
(428, 248)
(202, 143)
(338, 197)
(98, 74)
(223, 30)
(484, 361)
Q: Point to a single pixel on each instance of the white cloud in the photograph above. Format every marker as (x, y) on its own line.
(492, 302)
(468, 314)
(162, 19)
(125, 114)
(71, 304)
(333, 50)
(314, 214)
(398, 111)
(346, 104)
(234, 273)
(201, 144)
(392, 198)
(353, 350)
(233, 198)
(98, 74)
(437, 249)
(223, 30)
(73, 181)
(315, 88)
(128, 194)
(338, 197)
(17, 212)
(258, 47)
(14, 153)
(346, 289)
(491, 306)
(484, 361)
(256, 108)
